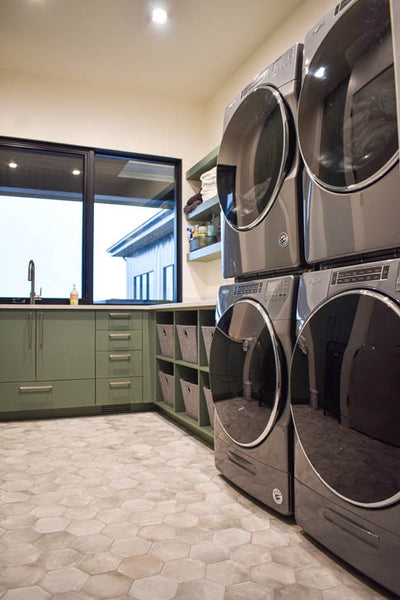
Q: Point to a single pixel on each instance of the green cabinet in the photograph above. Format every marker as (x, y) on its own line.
(47, 359)
(65, 345)
(119, 357)
(17, 345)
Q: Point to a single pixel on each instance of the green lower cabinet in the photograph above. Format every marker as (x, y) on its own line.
(32, 395)
(65, 345)
(17, 345)
(119, 340)
(118, 320)
(119, 391)
(119, 364)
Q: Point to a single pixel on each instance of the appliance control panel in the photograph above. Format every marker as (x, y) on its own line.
(360, 274)
(246, 289)
(277, 290)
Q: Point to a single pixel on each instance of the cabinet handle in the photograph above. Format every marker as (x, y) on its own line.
(30, 330)
(35, 388)
(41, 329)
(115, 384)
(118, 315)
(119, 336)
(119, 356)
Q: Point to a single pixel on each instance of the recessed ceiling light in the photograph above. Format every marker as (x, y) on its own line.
(159, 16)
(12, 165)
(76, 172)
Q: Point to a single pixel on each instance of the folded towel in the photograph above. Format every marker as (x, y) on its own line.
(193, 202)
(210, 175)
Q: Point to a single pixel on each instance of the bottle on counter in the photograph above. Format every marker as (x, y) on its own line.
(73, 297)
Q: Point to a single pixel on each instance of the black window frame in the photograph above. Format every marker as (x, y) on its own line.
(89, 154)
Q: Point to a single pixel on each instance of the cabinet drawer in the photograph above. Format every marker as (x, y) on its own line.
(33, 395)
(119, 340)
(119, 364)
(118, 320)
(119, 391)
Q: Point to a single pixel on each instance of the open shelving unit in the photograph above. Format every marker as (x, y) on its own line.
(205, 210)
(178, 368)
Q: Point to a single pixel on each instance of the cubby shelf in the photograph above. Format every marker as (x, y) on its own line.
(177, 368)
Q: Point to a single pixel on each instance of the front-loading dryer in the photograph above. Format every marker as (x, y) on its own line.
(258, 174)
(345, 402)
(347, 132)
(249, 359)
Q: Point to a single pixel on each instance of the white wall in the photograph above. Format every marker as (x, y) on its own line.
(51, 109)
(292, 31)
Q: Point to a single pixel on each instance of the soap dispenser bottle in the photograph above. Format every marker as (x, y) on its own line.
(73, 297)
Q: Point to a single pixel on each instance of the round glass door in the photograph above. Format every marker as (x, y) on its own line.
(347, 122)
(345, 395)
(245, 373)
(252, 158)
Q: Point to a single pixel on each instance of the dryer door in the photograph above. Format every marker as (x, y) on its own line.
(347, 123)
(253, 158)
(345, 396)
(246, 373)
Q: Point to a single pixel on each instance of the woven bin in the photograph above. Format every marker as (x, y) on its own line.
(167, 387)
(187, 336)
(166, 338)
(208, 334)
(190, 394)
(210, 404)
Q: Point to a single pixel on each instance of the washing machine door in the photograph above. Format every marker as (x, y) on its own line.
(253, 158)
(345, 396)
(246, 373)
(347, 123)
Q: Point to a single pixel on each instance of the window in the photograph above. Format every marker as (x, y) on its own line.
(143, 286)
(106, 221)
(168, 282)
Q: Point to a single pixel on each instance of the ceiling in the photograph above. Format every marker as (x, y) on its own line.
(114, 43)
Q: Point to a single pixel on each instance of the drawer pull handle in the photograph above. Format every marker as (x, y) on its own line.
(115, 384)
(119, 356)
(118, 315)
(35, 388)
(119, 336)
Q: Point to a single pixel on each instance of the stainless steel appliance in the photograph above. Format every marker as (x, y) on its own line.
(345, 391)
(250, 354)
(347, 132)
(258, 174)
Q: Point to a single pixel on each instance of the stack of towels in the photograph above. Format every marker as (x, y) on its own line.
(208, 184)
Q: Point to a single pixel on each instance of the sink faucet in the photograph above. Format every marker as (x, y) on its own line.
(31, 278)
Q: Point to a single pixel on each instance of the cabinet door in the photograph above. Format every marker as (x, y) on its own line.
(65, 344)
(17, 345)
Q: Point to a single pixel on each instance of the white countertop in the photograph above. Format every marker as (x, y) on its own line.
(112, 307)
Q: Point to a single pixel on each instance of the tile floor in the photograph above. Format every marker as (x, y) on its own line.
(131, 507)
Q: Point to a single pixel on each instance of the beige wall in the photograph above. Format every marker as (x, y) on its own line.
(51, 109)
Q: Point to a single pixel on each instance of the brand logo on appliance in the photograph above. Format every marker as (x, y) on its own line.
(315, 280)
(283, 239)
(277, 496)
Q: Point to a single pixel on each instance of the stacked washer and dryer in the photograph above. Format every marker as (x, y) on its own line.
(309, 334)
(259, 189)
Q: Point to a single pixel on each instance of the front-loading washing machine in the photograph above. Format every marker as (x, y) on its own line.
(258, 174)
(347, 133)
(250, 354)
(345, 402)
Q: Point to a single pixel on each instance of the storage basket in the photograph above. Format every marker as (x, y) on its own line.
(190, 394)
(187, 336)
(166, 338)
(210, 404)
(208, 334)
(167, 387)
